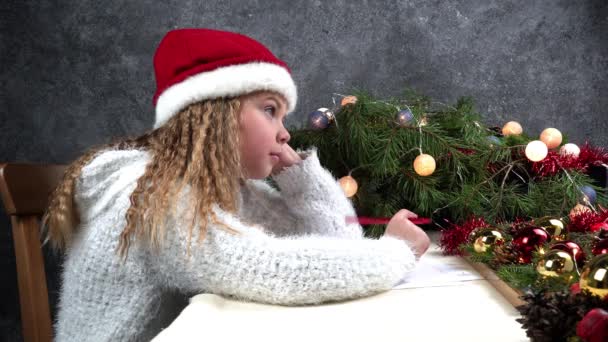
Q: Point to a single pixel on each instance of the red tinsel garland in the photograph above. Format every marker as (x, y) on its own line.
(554, 162)
(456, 235)
(582, 220)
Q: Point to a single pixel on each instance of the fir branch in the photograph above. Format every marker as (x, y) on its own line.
(518, 276)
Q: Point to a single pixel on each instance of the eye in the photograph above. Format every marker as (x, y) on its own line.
(270, 110)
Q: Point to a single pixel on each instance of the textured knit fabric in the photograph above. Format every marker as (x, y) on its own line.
(293, 248)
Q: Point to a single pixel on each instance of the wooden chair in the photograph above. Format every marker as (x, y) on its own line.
(25, 189)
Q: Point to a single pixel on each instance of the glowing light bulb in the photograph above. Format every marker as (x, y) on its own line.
(348, 100)
(536, 150)
(512, 128)
(349, 185)
(551, 137)
(570, 149)
(424, 165)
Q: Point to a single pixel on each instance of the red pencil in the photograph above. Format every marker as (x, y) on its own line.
(362, 220)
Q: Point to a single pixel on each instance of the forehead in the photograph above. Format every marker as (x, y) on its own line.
(268, 95)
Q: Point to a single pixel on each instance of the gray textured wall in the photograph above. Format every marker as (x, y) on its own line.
(75, 73)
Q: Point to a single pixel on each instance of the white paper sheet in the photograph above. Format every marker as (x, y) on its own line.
(435, 270)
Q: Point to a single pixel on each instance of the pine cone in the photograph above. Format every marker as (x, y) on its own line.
(549, 317)
(505, 254)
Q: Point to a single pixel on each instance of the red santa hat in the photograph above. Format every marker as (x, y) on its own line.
(192, 65)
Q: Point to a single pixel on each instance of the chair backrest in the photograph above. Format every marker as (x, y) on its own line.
(25, 190)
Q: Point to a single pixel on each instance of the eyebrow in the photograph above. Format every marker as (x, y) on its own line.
(276, 99)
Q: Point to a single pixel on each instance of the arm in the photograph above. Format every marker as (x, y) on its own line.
(257, 267)
(310, 202)
(249, 265)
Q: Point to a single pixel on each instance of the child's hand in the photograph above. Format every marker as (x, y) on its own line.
(402, 228)
(287, 158)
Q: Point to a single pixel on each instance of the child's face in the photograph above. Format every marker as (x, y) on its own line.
(262, 132)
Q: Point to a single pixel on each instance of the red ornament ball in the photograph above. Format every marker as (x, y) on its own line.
(573, 249)
(600, 247)
(594, 326)
(527, 240)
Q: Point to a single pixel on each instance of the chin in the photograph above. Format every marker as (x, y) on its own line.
(259, 174)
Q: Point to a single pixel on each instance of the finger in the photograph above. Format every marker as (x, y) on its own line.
(405, 214)
(295, 156)
(410, 214)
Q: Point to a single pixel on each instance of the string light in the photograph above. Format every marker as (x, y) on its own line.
(536, 150)
(570, 149)
(349, 185)
(551, 137)
(424, 165)
(512, 128)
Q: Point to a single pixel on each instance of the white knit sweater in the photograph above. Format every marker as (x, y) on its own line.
(295, 248)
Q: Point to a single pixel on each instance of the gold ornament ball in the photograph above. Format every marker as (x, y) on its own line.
(536, 150)
(595, 276)
(512, 128)
(553, 226)
(350, 99)
(349, 185)
(486, 239)
(570, 149)
(551, 137)
(424, 165)
(579, 209)
(555, 263)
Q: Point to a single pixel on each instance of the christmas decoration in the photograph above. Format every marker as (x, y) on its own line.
(494, 141)
(579, 209)
(589, 195)
(587, 158)
(455, 236)
(528, 240)
(423, 121)
(320, 118)
(600, 247)
(349, 185)
(470, 178)
(550, 317)
(584, 219)
(551, 137)
(556, 263)
(348, 100)
(536, 150)
(571, 248)
(553, 225)
(424, 165)
(512, 128)
(570, 149)
(486, 238)
(594, 277)
(601, 228)
(479, 172)
(594, 326)
(505, 253)
(405, 118)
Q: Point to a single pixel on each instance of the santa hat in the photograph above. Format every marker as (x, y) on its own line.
(192, 65)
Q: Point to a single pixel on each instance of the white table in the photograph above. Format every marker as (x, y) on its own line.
(447, 301)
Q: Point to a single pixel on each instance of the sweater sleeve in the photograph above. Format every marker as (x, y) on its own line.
(252, 265)
(310, 202)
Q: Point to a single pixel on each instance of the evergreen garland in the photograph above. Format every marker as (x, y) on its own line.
(475, 176)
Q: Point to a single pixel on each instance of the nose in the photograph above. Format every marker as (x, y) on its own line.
(283, 136)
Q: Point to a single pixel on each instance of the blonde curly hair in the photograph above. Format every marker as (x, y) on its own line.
(198, 147)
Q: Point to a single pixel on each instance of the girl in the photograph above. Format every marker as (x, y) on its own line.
(183, 209)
